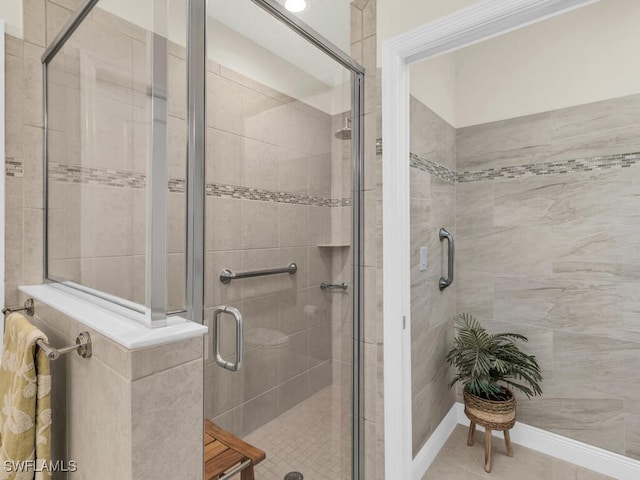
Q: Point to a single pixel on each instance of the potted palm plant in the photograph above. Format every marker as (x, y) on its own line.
(488, 365)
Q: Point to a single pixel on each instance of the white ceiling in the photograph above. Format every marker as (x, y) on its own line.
(331, 18)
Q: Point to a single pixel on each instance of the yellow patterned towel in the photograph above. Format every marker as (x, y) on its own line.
(25, 403)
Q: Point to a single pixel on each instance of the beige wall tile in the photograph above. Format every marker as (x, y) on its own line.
(158, 435)
(32, 167)
(102, 390)
(293, 225)
(224, 104)
(14, 105)
(220, 232)
(34, 14)
(356, 23)
(260, 224)
(259, 411)
(293, 392)
(260, 164)
(32, 86)
(369, 19)
(294, 355)
(225, 152)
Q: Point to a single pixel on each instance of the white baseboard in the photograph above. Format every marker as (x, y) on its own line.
(428, 452)
(587, 456)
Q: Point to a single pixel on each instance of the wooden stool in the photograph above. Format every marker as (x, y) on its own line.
(225, 454)
(487, 443)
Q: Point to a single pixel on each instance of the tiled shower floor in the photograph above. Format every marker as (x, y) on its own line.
(312, 438)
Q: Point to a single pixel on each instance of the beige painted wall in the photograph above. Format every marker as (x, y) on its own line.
(399, 16)
(580, 57)
(11, 13)
(560, 62)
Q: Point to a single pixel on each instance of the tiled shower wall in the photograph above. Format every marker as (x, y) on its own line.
(547, 222)
(275, 153)
(433, 206)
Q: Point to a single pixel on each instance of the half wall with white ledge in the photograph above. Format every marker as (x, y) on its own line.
(130, 389)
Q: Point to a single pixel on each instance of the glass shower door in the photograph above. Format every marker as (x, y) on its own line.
(279, 251)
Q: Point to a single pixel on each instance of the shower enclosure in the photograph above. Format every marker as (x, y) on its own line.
(204, 163)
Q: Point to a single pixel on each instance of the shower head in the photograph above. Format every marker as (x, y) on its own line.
(345, 132)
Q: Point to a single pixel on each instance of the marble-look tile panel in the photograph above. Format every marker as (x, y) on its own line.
(605, 365)
(595, 421)
(431, 136)
(475, 204)
(474, 293)
(600, 128)
(429, 407)
(508, 251)
(428, 352)
(597, 198)
(517, 141)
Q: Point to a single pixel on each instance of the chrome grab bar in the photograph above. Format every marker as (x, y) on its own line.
(333, 286)
(227, 275)
(232, 366)
(445, 282)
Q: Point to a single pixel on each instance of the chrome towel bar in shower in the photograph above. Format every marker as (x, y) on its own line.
(28, 308)
(445, 282)
(227, 275)
(83, 340)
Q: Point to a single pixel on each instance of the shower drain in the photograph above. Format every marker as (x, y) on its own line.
(293, 476)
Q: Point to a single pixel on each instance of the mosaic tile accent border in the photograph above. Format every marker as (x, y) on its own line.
(249, 193)
(604, 162)
(60, 172)
(114, 178)
(433, 168)
(177, 185)
(13, 167)
(551, 168)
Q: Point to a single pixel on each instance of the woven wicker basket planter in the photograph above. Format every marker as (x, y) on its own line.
(495, 415)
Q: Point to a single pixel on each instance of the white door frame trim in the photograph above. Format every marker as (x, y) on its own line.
(483, 20)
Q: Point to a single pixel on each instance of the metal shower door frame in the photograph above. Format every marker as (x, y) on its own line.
(196, 186)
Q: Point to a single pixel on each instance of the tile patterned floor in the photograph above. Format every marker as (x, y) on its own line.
(456, 461)
(313, 438)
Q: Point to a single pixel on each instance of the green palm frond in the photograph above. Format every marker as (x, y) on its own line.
(484, 360)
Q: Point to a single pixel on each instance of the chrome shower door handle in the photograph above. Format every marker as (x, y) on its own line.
(237, 316)
(445, 282)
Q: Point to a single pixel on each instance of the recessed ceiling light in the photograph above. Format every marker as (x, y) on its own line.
(295, 6)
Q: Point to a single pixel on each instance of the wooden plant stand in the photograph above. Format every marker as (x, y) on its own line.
(487, 442)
